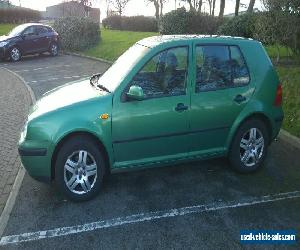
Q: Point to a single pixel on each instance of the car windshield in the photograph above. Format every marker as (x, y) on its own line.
(118, 71)
(17, 30)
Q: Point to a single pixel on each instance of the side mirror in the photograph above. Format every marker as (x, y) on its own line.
(135, 93)
(95, 78)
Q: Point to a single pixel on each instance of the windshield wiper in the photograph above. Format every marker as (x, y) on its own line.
(94, 82)
(100, 86)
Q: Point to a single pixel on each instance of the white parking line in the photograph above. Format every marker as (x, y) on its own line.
(55, 78)
(142, 217)
(41, 68)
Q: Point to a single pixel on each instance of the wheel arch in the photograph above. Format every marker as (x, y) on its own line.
(257, 115)
(79, 133)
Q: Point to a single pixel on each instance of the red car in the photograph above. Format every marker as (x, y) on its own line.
(30, 38)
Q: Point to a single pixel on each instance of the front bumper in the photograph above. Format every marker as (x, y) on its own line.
(3, 52)
(37, 161)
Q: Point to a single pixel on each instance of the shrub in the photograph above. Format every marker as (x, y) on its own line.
(278, 28)
(140, 23)
(77, 33)
(19, 15)
(182, 22)
(243, 26)
(132, 23)
(112, 22)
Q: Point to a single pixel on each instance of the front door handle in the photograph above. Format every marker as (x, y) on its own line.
(181, 107)
(239, 99)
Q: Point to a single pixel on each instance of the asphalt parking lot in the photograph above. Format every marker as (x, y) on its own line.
(43, 73)
(195, 205)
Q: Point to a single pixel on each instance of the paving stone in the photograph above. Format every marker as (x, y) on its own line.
(14, 105)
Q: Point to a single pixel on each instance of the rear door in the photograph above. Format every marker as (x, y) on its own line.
(221, 89)
(43, 38)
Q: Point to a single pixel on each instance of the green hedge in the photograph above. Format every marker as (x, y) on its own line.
(19, 15)
(271, 28)
(132, 23)
(181, 21)
(77, 33)
(243, 25)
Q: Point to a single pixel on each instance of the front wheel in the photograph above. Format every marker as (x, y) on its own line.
(249, 146)
(15, 54)
(79, 168)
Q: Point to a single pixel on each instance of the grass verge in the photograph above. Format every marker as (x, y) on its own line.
(290, 78)
(114, 43)
(5, 28)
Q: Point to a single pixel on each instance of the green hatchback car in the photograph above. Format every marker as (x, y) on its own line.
(167, 99)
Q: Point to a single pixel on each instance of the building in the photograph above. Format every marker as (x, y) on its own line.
(71, 8)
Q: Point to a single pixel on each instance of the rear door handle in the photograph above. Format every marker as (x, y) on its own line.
(181, 107)
(239, 99)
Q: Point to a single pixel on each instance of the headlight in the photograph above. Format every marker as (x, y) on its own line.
(23, 133)
(2, 44)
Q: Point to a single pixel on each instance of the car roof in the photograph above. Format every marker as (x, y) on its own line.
(162, 39)
(25, 25)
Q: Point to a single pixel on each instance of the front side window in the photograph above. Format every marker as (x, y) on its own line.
(165, 74)
(30, 31)
(219, 67)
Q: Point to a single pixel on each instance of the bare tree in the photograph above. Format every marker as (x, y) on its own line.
(119, 5)
(222, 7)
(158, 5)
(213, 8)
(237, 7)
(251, 5)
(210, 2)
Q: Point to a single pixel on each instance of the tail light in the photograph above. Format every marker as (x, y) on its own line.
(278, 97)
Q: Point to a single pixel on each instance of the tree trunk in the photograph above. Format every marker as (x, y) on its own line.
(222, 7)
(251, 5)
(156, 5)
(214, 6)
(237, 7)
(210, 6)
(161, 7)
(200, 5)
(191, 5)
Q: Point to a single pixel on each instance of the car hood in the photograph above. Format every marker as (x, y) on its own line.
(5, 38)
(66, 95)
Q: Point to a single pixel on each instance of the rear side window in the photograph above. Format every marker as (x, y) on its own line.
(42, 30)
(240, 73)
(220, 67)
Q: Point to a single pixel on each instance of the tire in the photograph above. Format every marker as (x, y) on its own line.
(249, 146)
(53, 49)
(81, 164)
(15, 54)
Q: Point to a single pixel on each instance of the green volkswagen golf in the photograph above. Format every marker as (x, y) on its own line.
(167, 99)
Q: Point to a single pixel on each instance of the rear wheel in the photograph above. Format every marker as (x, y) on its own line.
(15, 54)
(249, 146)
(53, 50)
(79, 169)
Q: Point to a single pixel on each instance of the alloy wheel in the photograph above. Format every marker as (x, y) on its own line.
(80, 172)
(54, 49)
(251, 147)
(15, 54)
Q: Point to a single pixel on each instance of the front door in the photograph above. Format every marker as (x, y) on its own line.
(221, 90)
(155, 128)
(30, 38)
